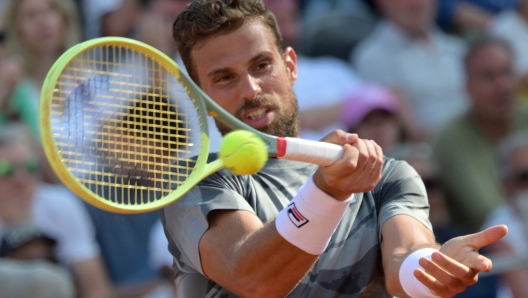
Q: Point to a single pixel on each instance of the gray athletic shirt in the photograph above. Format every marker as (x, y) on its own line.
(351, 264)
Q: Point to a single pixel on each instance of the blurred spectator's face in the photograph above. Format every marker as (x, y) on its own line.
(491, 84)
(18, 175)
(41, 26)
(382, 127)
(413, 16)
(287, 14)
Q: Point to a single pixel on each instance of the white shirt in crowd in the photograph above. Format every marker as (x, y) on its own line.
(431, 74)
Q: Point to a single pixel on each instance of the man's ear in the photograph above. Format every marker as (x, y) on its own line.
(290, 58)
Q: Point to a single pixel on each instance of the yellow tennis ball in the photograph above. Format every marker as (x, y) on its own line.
(243, 152)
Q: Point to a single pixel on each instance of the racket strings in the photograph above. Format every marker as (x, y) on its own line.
(124, 126)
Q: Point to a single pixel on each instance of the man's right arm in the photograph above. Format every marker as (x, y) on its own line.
(250, 258)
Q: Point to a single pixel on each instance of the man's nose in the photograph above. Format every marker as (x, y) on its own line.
(250, 87)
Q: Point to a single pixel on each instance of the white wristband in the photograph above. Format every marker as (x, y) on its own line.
(311, 218)
(412, 286)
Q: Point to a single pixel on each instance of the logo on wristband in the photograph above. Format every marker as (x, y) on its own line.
(295, 216)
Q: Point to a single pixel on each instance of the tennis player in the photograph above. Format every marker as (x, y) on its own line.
(357, 227)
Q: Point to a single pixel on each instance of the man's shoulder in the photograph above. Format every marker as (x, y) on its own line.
(394, 170)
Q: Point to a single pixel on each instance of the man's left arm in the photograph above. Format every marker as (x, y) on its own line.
(449, 271)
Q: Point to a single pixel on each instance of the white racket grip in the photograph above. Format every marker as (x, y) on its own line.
(320, 153)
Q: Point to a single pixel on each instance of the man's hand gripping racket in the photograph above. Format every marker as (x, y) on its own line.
(126, 130)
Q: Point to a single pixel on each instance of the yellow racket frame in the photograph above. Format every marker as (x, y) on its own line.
(201, 169)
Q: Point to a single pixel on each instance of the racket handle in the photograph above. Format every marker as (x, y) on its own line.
(320, 153)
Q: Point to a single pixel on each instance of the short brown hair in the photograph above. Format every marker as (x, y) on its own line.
(205, 18)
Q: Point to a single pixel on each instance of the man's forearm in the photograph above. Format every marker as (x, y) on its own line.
(261, 263)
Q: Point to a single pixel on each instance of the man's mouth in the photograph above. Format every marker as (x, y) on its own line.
(257, 114)
(259, 117)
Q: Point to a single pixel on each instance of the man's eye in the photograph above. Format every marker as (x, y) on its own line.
(263, 65)
(223, 79)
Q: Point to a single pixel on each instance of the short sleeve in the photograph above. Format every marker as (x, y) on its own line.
(402, 191)
(185, 221)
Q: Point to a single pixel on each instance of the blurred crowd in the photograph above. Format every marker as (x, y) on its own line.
(441, 84)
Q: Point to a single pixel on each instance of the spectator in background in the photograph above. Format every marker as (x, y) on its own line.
(52, 208)
(512, 25)
(334, 27)
(470, 16)
(374, 113)
(38, 31)
(465, 148)
(124, 241)
(371, 111)
(34, 279)
(322, 82)
(25, 241)
(419, 156)
(155, 25)
(149, 21)
(513, 170)
(110, 17)
(10, 75)
(407, 53)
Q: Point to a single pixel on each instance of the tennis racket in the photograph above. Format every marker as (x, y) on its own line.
(126, 130)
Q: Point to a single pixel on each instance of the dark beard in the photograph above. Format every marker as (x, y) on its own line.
(285, 123)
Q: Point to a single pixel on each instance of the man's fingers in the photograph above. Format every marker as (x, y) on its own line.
(454, 284)
(340, 137)
(376, 172)
(434, 286)
(486, 237)
(370, 175)
(465, 274)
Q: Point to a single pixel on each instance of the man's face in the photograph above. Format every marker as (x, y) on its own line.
(413, 16)
(491, 84)
(246, 75)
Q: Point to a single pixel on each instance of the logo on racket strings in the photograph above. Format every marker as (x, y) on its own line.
(295, 216)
